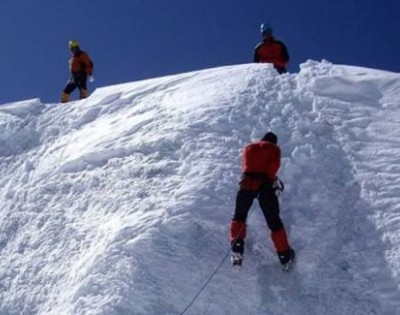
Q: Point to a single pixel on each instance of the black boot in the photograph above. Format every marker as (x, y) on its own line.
(286, 258)
(237, 247)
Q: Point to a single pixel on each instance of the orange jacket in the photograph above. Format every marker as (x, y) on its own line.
(262, 157)
(81, 61)
(272, 51)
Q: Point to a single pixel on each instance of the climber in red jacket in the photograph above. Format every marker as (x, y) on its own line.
(271, 50)
(81, 67)
(260, 163)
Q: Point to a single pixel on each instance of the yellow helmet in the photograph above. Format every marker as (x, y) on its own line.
(73, 44)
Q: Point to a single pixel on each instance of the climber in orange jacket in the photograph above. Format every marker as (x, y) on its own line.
(260, 163)
(271, 50)
(81, 66)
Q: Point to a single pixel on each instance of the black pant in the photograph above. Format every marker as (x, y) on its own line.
(281, 70)
(77, 80)
(269, 205)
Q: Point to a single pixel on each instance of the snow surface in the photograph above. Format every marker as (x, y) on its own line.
(121, 203)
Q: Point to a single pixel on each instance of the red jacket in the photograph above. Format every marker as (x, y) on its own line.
(272, 51)
(81, 61)
(262, 157)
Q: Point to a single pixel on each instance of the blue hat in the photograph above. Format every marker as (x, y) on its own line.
(266, 27)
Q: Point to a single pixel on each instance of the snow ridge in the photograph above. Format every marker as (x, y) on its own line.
(120, 203)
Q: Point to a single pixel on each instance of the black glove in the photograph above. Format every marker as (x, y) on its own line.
(277, 185)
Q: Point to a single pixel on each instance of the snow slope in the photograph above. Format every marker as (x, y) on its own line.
(120, 203)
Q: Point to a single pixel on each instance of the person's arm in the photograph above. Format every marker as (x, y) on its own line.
(275, 161)
(285, 52)
(256, 57)
(88, 64)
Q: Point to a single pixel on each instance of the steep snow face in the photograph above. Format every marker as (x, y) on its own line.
(120, 203)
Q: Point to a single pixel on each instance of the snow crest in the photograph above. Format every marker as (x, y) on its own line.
(120, 203)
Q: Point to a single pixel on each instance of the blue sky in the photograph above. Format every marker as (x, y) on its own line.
(132, 40)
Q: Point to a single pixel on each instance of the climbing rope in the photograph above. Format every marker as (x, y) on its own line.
(206, 283)
(212, 275)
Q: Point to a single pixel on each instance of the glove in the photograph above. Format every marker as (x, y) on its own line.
(91, 79)
(278, 185)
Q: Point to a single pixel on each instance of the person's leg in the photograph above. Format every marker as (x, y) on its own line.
(65, 97)
(281, 70)
(269, 204)
(68, 89)
(83, 93)
(244, 200)
(81, 81)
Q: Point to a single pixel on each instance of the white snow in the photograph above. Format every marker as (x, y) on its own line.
(120, 203)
